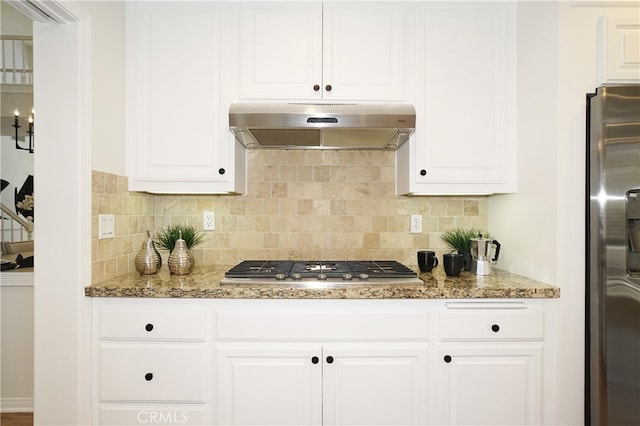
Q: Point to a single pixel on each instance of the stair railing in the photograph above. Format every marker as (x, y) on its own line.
(13, 227)
(16, 59)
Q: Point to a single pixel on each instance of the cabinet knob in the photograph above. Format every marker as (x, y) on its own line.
(328, 88)
(447, 358)
(315, 360)
(495, 328)
(148, 327)
(423, 172)
(148, 377)
(329, 359)
(221, 171)
(316, 87)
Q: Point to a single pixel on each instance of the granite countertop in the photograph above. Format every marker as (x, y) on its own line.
(204, 282)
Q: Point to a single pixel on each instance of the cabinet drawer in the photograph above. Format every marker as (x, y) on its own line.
(152, 372)
(318, 325)
(141, 414)
(143, 324)
(491, 324)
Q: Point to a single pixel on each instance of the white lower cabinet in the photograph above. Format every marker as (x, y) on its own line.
(490, 364)
(331, 384)
(151, 362)
(268, 384)
(489, 384)
(160, 372)
(322, 362)
(375, 384)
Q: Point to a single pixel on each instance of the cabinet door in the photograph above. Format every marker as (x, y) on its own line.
(619, 50)
(308, 50)
(281, 50)
(269, 384)
(490, 384)
(383, 384)
(465, 140)
(177, 102)
(364, 51)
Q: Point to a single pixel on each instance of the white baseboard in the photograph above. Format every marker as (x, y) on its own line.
(16, 405)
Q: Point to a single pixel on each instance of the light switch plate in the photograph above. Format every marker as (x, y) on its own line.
(106, 226)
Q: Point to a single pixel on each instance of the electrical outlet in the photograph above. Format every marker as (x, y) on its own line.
(208, 221)
(416, 224)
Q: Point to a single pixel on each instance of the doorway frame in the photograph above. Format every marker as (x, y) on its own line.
(62, 320)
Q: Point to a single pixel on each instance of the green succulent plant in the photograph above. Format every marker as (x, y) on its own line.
(167, 237)
(459, 239)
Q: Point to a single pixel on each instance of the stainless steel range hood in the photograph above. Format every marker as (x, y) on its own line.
(322, 126)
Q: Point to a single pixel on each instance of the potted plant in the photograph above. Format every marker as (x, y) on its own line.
(167, 237)
(459, 239)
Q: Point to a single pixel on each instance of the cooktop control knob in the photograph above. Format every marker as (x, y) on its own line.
(322, 277)
(363, 277)
(347, 277)
(296, 276)
(281, 277)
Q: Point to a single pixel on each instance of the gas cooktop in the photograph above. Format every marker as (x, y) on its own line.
(320, 273)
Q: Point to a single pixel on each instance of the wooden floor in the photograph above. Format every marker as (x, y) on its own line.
(16, 419)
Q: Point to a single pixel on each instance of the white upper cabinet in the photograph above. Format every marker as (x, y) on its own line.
(465, 102)
(178, 74)
(314, 51)
(619, 50)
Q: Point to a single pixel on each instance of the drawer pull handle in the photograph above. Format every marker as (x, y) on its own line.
(423, 172)
(495, 328)
(315, 360)
(148, 377)
(148, 327)
(316, 87)
(328, 88)
(447, 358)
(329, 359)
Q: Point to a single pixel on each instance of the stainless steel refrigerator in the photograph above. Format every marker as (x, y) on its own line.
(612, 376)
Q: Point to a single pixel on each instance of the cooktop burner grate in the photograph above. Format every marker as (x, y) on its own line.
(311, 269)
(260, 269)
(381, 269)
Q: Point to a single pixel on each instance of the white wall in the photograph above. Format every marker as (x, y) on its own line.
(108, 86)
(16, 378)
(14, 22)
(542, 226)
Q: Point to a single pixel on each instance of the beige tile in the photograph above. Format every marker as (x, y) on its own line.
(454, 207)
(111, 184)
(97, 182)
(300, 204)
(471, 207)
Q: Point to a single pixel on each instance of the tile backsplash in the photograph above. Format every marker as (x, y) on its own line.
(300, 204)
